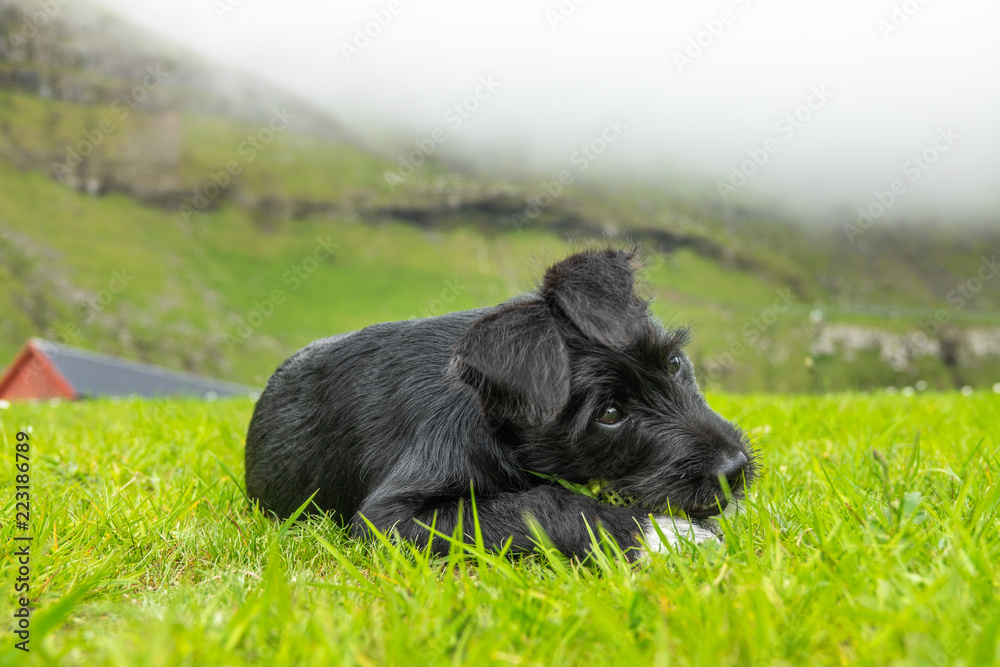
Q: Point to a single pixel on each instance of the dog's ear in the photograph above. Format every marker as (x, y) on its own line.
(516, 361)
(594, 289)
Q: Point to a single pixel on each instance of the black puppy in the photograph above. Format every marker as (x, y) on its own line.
(401, 421)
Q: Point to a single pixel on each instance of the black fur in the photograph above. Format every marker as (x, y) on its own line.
(398, 421)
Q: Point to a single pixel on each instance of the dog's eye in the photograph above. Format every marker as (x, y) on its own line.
(674, 365)
(611, 416)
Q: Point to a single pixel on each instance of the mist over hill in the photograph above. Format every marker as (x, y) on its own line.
(846, 92)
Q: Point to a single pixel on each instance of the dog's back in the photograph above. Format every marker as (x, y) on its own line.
(312, 427)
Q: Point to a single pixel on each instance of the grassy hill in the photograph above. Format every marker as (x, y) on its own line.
(196, 277)
(155, 223)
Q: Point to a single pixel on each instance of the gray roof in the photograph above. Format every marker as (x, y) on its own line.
(93, 374)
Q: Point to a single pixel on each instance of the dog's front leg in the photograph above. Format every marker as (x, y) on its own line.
(564, 517)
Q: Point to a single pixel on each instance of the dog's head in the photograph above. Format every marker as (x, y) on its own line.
(591, 387)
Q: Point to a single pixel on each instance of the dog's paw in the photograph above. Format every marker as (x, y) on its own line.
(675, 530)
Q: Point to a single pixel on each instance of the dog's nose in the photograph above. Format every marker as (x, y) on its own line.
(732, 469)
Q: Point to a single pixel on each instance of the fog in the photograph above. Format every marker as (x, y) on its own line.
(816, 106)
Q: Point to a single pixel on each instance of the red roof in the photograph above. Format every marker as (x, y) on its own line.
(32, 375)
(43, 370)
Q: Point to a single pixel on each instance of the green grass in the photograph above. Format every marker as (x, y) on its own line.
(872, 538)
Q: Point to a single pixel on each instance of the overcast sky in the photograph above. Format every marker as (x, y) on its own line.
(691, 89)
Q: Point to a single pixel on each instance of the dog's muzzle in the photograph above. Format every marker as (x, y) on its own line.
(728, 479)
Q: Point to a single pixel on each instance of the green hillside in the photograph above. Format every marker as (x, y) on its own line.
(200, 279)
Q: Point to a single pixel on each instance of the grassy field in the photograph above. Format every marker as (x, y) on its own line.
(872, 538)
